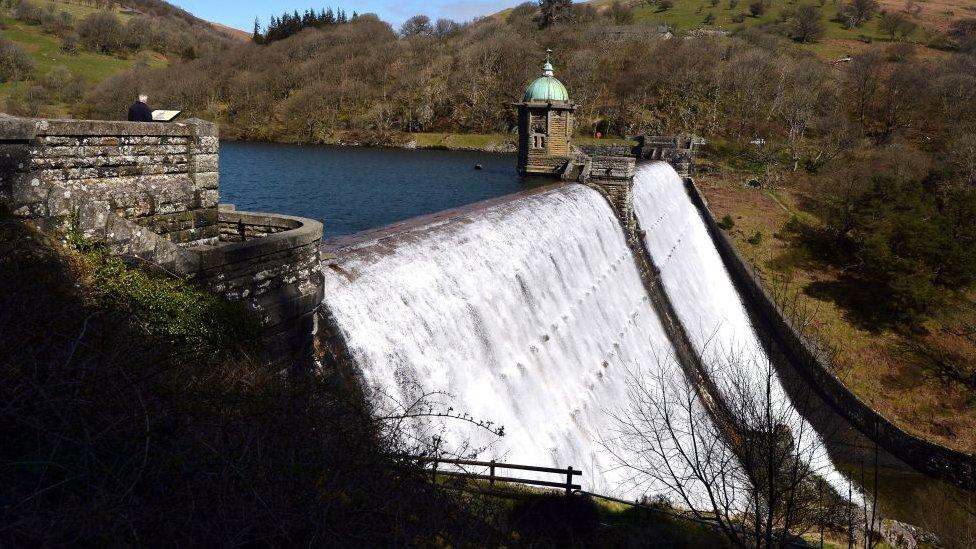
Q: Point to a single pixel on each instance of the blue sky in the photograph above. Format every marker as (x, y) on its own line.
(241, 13)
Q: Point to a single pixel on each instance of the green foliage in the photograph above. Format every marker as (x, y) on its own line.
(911, 241)
(727, 222)
(192, 319)
(755, 239)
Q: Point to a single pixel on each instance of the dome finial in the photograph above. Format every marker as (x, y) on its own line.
(547, 68)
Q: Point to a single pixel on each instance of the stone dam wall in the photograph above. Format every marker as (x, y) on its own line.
(149, 192)
(926, 457)
(159, 176)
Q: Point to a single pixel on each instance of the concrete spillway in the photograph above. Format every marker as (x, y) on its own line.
(532, 313)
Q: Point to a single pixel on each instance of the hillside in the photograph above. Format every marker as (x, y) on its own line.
(927, 21)
(54, 52)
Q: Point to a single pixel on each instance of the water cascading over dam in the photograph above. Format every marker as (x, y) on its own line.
(529, 313)
(711, 311)
(532, 313)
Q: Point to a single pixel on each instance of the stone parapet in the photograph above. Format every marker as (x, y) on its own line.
(277, 275)
(149, 192)
(677, 150)
(160, 176)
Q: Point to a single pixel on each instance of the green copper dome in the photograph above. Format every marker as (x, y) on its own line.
(546, 87)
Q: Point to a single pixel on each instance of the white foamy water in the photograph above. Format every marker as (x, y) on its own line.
(708, 305)
(529, 313)
(532, 314)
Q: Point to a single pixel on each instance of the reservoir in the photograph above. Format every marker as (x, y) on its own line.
(351, 189)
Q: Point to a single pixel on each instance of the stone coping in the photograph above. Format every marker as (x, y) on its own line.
(26, 129)
(299, 231)
(425, 222)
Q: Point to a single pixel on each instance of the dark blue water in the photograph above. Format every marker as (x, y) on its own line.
(352, 189)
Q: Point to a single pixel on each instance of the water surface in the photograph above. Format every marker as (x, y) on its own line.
(352, 189)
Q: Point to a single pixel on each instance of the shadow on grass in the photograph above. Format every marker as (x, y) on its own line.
(866, 305)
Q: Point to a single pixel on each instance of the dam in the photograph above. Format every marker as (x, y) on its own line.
(530, 312)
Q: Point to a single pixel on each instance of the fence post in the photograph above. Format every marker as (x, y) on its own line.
(569, 480)
(491, 481)
(433, 474)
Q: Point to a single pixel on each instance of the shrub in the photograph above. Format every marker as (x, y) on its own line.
(70, 43)
(142, 441)
(857, 12)
(900, 51)
(15, 63)
(182, 315)
(621, 13)
(709, 19)
(727, 222)
(757, 8)
(896, 25)
(738, 18)
(806, 24)
(962, 34)
(60, 23)
(101, 31)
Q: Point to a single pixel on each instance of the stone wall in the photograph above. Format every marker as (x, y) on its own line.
(277, 275)
(928, 458)
(606, 150)
(614, 177)
(149, 192)
(677, 150)
(159, 176)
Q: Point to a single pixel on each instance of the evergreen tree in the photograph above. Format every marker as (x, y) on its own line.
(257, 36)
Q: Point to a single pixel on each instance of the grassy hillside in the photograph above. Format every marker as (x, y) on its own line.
(931, 19)
(71, 46)
(45, 51)
(922, 377)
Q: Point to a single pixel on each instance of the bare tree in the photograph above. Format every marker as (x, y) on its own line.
(761, 485)
(857, 12)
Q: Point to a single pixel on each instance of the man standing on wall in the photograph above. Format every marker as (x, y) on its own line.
(140, 111)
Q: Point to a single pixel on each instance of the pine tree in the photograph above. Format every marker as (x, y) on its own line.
(257, 36)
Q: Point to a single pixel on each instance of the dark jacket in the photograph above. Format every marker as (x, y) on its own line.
(140, 112)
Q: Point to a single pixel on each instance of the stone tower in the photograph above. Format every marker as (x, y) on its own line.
(545, 125)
